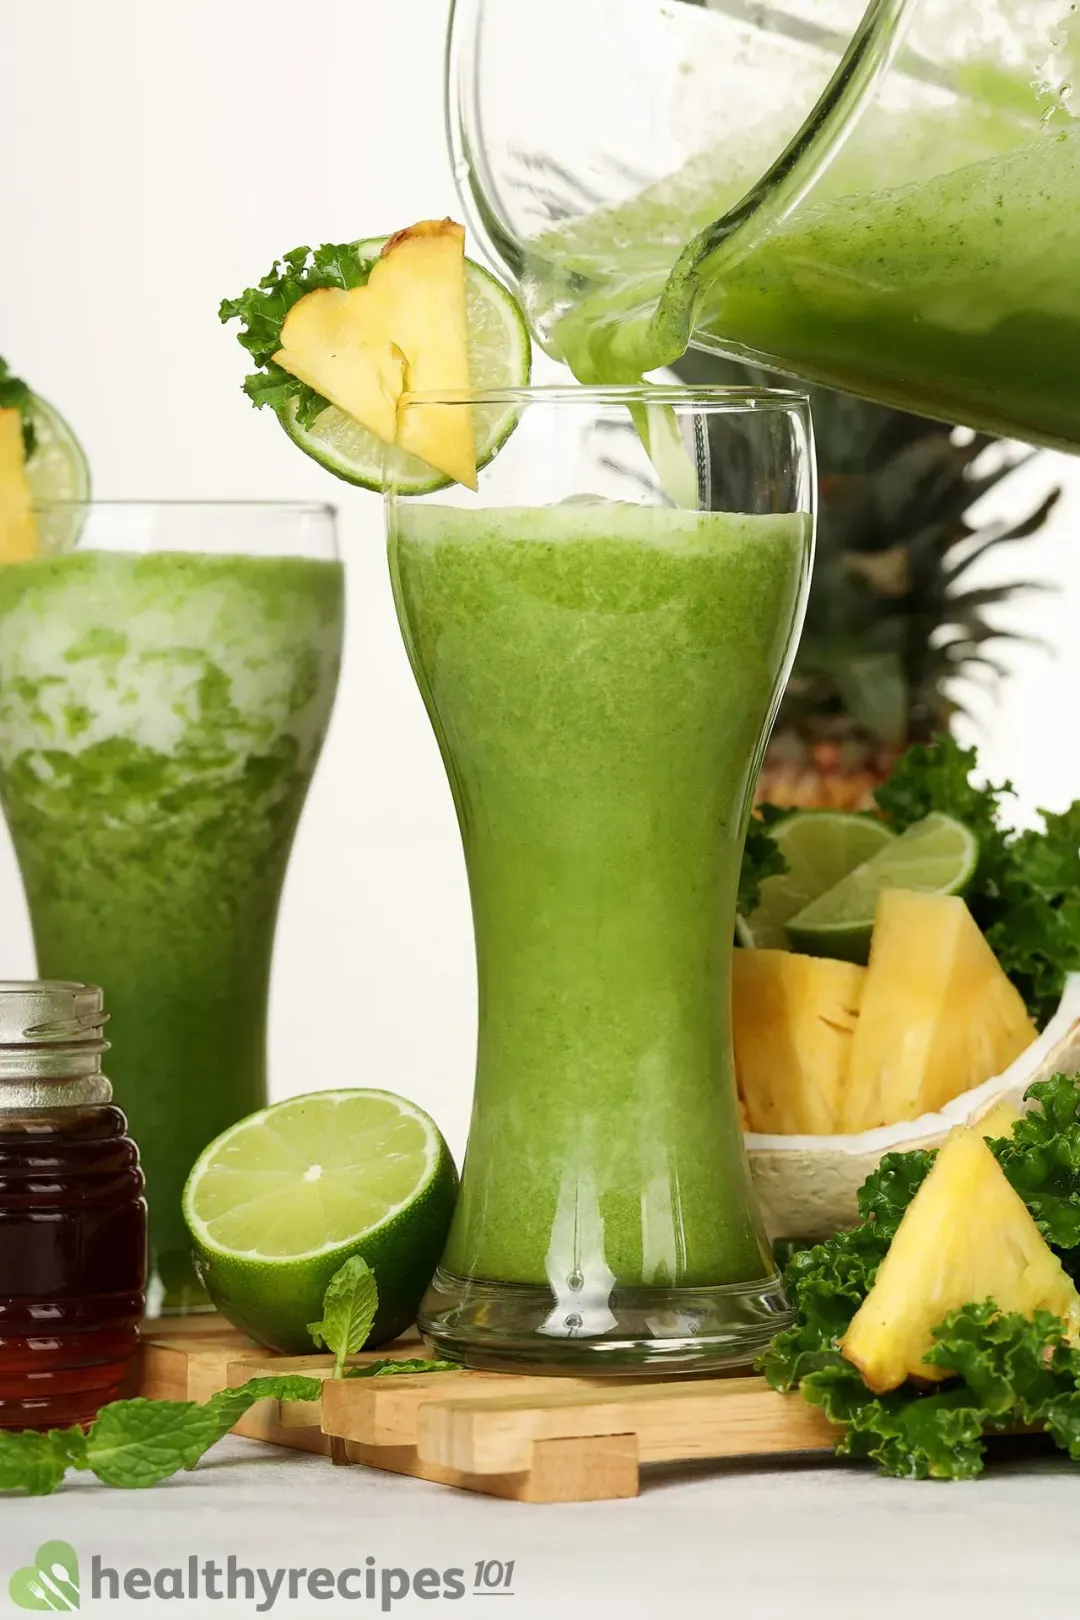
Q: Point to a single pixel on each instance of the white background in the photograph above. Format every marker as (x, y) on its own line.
(160, 155)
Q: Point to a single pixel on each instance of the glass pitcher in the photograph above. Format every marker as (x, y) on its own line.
(884, 198)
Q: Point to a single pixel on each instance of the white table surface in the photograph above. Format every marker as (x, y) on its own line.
(804, 1542)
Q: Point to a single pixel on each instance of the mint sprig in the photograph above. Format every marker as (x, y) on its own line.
(261, 312)
(349, 1306)
(36, 1463)
(137, 1443)
(391, 1368)
(132, 1444)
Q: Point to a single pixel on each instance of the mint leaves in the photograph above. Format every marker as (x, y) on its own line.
(349, 1307)
(1009, 1371)
(137, 1443)
(391, 1368)
(16, 395)
(36, 1463)
(261, 312)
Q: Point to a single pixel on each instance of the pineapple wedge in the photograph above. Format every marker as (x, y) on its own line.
(938, 1015)
(793, 1018)
(998, 1121)
(966, 1237)
(405, 331)
(18, 530)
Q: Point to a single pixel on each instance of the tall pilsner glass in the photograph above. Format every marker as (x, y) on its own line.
(165, 689)
(601, 650)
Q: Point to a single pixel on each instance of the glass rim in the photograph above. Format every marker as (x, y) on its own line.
(715, 397)
(135, 503)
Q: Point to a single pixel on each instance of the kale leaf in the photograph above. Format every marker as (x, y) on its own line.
(16, 395)
(1008, 1370)
(261, 312)
(761, 859)
(1025, 895)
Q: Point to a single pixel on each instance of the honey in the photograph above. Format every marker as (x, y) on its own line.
(72, 1212)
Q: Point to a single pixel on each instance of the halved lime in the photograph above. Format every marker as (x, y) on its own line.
(935, 856)
(280, 1201)
(500, 356)
(57, 472)
(820, 847)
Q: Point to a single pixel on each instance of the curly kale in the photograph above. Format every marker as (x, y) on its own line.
(261, 312)
(1008, 1370)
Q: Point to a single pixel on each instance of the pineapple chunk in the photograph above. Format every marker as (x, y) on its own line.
(18, 531)
(998, 1121)
(404, 332)
(793, 1018)
(938, 1013)
(966, 1237)
(363, 378)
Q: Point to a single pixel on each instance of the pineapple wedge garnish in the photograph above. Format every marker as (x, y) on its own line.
(938, 1017)
(405, 331)
(998, 1122)
(18, 530)
(793, 1018)
(967, 1236)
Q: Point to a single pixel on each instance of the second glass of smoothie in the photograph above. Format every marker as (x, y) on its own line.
(601, 636)
(165, 689)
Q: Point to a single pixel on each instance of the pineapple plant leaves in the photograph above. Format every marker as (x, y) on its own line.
(890, 628)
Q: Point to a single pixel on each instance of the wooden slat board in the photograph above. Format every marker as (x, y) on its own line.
(531, 1439)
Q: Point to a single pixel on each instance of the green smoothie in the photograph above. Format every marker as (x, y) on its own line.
(160, 719)
(955, 298)
(598, 677)
(952, 295)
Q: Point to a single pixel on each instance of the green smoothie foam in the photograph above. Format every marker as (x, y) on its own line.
(952, 295)
(598, 677)
(160, 719)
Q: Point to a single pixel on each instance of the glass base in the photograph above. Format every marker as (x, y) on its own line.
(631, 1331)
(175, 1290)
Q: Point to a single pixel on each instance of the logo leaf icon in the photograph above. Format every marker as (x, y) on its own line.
(51, 1583)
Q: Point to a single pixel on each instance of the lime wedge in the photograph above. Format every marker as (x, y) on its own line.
(500, 356)
(280, 1201)
(936, 856)
(59, 478)
(820, 847)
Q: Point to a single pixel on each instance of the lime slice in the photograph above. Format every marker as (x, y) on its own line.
(280, 1201)
(500, 356)
(57, 472)
(820, 847)
(936, 856)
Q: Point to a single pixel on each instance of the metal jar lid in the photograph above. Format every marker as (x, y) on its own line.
(51, 1044)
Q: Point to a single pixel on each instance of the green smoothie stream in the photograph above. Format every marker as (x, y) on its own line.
(160, 719)
(598, 677)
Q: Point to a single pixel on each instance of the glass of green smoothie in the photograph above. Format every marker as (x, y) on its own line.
(601, 634)
(165, 688)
